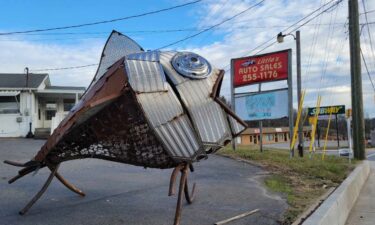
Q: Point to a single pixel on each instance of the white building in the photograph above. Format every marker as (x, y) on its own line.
(31, 99)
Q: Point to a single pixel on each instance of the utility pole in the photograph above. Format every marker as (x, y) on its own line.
(356, 81)
(337, 133)
(260, 125)
(232, 99)
(300, 125)
(280, 39)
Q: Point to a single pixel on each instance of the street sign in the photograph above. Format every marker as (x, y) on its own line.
(263, 105)
(261, 68)
(326, 110)
(348, 113)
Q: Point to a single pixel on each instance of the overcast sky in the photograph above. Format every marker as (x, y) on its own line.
(325, 48)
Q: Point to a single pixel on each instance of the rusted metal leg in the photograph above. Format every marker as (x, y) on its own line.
(189, 197)
(177, 217)
(69, 185)
(24, 172)
(172, 182)
(41, 192)
(19, 176)
(14, 163)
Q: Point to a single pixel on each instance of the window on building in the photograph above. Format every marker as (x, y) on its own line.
(270, 137)
(50, 111)
(251, 138)
(50, 114)
(68, 104)
(9, 104)
(51, 105)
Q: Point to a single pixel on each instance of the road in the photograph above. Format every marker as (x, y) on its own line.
(124, 194)
(286, 145)
(369, 151)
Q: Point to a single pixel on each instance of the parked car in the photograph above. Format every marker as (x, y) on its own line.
(345, 152)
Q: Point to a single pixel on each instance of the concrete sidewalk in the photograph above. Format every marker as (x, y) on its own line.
(363, 212)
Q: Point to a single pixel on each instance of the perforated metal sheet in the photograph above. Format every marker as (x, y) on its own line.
(116, 47)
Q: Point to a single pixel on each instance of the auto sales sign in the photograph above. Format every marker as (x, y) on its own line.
(261, 68)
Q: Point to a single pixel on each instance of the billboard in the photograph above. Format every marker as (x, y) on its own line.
(260, 68)
(326, 110)
(261, 106)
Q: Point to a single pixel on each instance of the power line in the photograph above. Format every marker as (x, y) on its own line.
(65, 68)
(367, 12)
(211, 27)
(318, 9)
(368, 30)
(159, 31)
(312, 51)
(327, 54)
(218, 24)
(300, 20)
(368, 73)
(102, 22)
(173, 43)
(303, 24)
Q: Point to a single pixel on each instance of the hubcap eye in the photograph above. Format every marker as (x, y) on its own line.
(191, 65)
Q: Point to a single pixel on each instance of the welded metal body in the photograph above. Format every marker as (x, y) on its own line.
(146, 108)
(152, 109)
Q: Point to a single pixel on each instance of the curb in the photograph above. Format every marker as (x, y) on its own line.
(336, 208)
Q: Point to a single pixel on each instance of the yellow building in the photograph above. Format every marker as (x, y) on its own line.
(271, 135)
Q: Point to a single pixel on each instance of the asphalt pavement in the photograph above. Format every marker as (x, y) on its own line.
(124, 194)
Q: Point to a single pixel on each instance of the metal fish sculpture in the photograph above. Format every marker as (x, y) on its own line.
(156, 109)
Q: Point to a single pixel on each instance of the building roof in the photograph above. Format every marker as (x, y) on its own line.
(18, 80)
(66, 88)
(271, 130)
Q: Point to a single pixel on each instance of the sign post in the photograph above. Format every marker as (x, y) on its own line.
(349, 130)
(260, 126)
(327, 110)
(232, 92)
(290, 100)
(258, 69)
(337, 132)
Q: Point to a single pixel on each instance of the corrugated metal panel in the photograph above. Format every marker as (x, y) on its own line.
(211, 122)
(208, 117)
(161, 105)
(145, 76)
(153, 56)
(165, 114)
(179, 137)
(236, 127)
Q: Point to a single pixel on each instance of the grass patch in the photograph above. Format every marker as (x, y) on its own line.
(301, 180)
